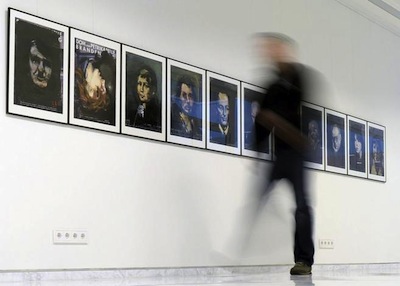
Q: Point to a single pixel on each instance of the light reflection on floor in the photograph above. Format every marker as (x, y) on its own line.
(378, 275)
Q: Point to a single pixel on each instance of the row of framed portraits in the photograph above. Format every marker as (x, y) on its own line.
(61, 74)
(343, 144)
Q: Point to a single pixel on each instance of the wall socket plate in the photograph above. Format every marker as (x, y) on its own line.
(326, 244)
(70, 236)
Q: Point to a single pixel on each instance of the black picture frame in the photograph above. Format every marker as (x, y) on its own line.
(186, 104)
(251, 100)
(223, 113)
(43, 55)
(143, 94)
(335, 142)
(313, 127)
(376, 152)
(37, 67)
(95, 98)
(357, 147)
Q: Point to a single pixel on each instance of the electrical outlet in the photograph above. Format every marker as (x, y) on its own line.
(326, 244)
(70, 236)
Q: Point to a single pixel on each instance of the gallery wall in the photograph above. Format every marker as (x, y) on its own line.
(151, 204)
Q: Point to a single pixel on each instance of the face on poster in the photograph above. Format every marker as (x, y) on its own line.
(336, 142)
(37, 66)
(376, 137)
(223, 113)
(95, 81)
(357, 147)
(252, 104)
(252, 97)
(143, 92)
(312, 127)
(186, 103)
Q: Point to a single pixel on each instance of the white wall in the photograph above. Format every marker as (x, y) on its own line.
(150, 204)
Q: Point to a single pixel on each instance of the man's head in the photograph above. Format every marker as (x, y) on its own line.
(375, 150)
(336, 138)
(255, 107)
(40, 66)
(94, 80)
(185, 91)
(275, 47)
(313, 133)
(146, 84)
(38, 54)
(357, 144)
(223, 108)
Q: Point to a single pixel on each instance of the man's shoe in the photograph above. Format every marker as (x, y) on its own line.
(300, 268)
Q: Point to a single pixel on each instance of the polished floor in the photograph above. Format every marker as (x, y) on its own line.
(323, 275)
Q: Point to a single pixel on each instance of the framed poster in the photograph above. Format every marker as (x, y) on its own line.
(223, 113)
(335, 142)
(38, 69)
(186, 115)
(313, 127)
(143, 94)
(94, 82)
(357, 146)
(251, 101)
(377, 152)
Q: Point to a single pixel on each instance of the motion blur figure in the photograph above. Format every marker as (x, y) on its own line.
(280, 112)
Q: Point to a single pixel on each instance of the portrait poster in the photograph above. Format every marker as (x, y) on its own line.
(313, 127)
(377, 152)
(357, 146)
(223, 113)
(251, 100)
(94, 82)
(186, 115)
(38, 69)
(335, 142)
(143, 94)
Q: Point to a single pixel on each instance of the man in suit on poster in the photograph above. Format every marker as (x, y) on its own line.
(336, 151)
(183, 120)
(221, 129)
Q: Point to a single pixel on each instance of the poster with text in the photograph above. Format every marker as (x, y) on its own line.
(94, 82)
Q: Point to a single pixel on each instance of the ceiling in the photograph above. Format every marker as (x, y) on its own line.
(390, 6)
(385, 13)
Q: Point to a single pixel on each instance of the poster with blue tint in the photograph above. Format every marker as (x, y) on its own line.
(185, 104)
(356, 142)
(312, 127)
(223, 119)
(252, 97)
(335, 142)
(377, 153)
